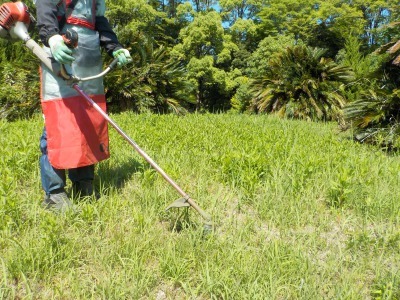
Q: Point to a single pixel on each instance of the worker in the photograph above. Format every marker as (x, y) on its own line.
(75, 135)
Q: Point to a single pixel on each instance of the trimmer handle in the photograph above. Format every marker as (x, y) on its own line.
(113, 63)
(71, 41)
(71, 38)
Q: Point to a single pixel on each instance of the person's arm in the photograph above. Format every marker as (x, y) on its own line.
(109, 41)
(46, 15)
(49, 32)
(108, 38)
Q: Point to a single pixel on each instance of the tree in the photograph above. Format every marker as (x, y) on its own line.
(288, 17)
(377, 14)
(154, 83)
(327, 24)
(258, 62)
(363, 65)
(233, 10)
(203, 5)
(340, 18)
(375, 115)
(137, 22)
(302, 83)
(207, 51)
(367, 19)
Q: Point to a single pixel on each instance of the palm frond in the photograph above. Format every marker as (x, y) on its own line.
(304, 82)
(375, 117)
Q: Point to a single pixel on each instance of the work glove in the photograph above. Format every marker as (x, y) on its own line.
(123, 57)
(60, 51)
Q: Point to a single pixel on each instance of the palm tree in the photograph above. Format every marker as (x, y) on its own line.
(375, 117)
(301, 83)
(153, 82)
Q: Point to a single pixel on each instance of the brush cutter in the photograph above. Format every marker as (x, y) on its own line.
(15, 20)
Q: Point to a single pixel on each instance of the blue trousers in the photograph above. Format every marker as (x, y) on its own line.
(55, 179)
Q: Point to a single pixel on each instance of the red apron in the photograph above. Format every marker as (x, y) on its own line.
(77, 135)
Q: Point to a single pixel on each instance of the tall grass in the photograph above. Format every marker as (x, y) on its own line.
(300, 212)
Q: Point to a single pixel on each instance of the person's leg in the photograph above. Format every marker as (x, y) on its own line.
(82, 180)
(53, 180)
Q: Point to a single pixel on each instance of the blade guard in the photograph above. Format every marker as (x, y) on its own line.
(181, 202)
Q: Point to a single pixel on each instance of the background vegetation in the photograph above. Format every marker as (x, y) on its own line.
(300, 212)
(301, 59)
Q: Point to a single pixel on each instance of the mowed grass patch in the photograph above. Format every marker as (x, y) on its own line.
(300, 211)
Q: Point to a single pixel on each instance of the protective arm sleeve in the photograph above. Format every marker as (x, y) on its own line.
(108, 38)
(47, 22)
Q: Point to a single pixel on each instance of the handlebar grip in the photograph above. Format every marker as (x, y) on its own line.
(113, 63)
(71, 38)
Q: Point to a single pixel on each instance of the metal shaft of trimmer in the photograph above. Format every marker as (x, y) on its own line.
(144, 155)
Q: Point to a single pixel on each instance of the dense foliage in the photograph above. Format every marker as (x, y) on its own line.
(310, 90)
(220, 55)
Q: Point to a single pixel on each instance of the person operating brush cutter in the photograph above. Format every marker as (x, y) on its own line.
(75, 136)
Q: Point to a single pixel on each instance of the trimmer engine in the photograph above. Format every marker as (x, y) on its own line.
(14, 21)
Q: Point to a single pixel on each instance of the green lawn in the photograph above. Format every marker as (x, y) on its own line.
(300, 211)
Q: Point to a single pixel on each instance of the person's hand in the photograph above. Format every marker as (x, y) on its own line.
(123, 57)
(60, 51)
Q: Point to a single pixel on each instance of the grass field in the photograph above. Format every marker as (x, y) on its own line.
(300, 211)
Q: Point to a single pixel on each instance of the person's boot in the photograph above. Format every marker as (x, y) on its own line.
(84, 188)
(57, 201)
